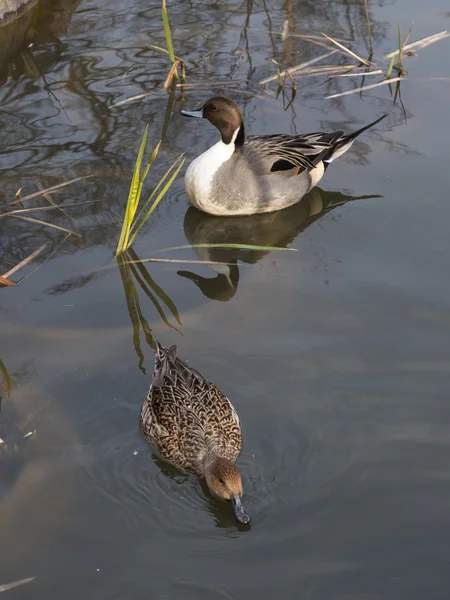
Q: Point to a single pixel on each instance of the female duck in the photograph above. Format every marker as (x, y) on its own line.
(260, 173)
(194, 426)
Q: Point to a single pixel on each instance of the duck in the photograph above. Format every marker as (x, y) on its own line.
(194, 426)
(246, 175)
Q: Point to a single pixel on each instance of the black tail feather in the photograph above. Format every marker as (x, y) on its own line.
(355, 134)
(343, 143)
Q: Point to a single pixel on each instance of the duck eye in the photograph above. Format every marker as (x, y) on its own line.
(221, 481)
(213, 107)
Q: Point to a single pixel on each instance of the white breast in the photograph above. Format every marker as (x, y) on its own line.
(200, 174)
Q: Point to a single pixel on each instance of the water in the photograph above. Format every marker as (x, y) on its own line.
(335, 356)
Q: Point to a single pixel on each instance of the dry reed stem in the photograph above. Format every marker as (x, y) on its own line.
(31, 220)
(50, 200)
(363, 74)
(421, 43)
(55, 206)
(46, 259)
(25, 261)
(7, 282)
(8, 586)
(298, 67)
(52, 188)
(211, 83)
(366, 87)
(171, 74)
(346, 50)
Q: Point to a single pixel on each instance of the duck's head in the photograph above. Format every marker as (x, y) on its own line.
(224, 480)
(224, 114)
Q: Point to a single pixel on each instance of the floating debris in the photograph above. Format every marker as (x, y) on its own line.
(346, 50)
(7, 282)
(365, 87)
(298, 67)
(8, 586)
(6, 378)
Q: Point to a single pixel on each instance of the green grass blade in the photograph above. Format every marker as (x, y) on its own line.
(279, 78)
(158, 48)
(391, 66)
(158, 199)
(167, 115)
(230, 246)
(152, 195)
(151, 161)
(132, 194)
(137, 181)
(400, 46)
(165, 18)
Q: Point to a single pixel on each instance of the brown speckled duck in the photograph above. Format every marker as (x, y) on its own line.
(194, 426)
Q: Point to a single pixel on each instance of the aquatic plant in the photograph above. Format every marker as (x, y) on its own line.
(176, 62)
(362, 68)
(133, 224)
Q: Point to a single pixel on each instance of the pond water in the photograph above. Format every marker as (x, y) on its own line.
(336, 356)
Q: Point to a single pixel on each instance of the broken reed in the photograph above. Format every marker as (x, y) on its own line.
(133, 224)
(176, 62)
(362, 69)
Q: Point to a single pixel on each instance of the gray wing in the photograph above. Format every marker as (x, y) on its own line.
(285, 152)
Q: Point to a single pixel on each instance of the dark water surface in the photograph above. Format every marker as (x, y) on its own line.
(336, 356)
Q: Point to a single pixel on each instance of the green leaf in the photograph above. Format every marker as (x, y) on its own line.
(152, 195)
(132, 195)
(400, 46)
(165, 18)
(158, 199)
(236, 246)
(391, 66)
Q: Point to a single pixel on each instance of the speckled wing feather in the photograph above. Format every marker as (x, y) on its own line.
(185, 417)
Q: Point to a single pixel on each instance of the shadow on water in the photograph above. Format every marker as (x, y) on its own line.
(271, 229)
(11, 455)
(42, 22)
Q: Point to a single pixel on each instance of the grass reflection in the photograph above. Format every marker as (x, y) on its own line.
(133, 271)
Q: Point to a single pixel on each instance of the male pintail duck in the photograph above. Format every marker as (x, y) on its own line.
(260, 173)
(191, 424)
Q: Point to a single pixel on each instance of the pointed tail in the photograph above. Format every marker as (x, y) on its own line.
(344, 143)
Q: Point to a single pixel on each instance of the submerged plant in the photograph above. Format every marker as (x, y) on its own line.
(133, 224)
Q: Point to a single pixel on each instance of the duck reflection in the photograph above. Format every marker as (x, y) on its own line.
(270, 229)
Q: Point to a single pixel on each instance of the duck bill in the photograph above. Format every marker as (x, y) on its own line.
(238, 510)
(198, 114)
